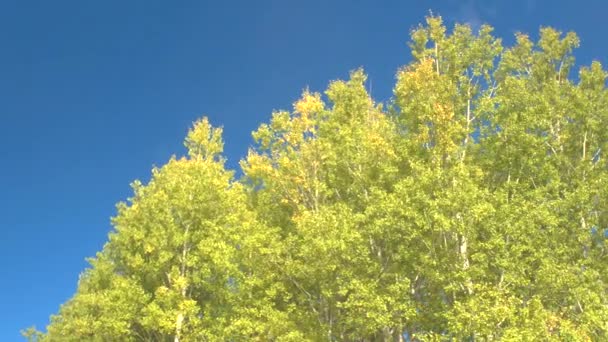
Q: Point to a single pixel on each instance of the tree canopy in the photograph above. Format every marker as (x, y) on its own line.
(472, 206)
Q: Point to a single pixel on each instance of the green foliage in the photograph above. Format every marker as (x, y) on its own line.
(473, 208)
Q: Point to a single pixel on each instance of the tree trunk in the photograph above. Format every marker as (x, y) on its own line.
(178, 326)
(179, 321)
(463, 251)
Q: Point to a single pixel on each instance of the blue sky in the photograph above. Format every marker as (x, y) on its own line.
(94, 93)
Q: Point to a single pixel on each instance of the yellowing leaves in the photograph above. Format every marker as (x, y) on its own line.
(204, 141)
(443, 113)
(308, 104)
(378, 139)
(427, 101)
(257, 165)
(419, 76)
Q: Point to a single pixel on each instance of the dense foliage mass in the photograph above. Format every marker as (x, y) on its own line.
(473, 206)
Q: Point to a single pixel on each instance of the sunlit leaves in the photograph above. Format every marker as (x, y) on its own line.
(474, 208)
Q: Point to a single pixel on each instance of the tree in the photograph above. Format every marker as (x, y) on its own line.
(473, 206)
(171, 268)
(319, 169)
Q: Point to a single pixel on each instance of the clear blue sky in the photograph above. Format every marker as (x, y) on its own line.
(94, 93)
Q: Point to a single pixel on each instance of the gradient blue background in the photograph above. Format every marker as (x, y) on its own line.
(94, 93)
